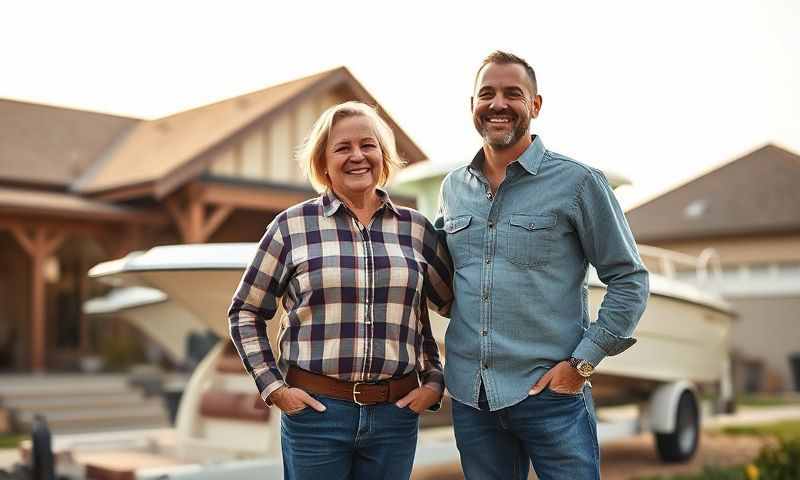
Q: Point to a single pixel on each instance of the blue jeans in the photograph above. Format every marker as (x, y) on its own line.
(557, 433)
(349, 442)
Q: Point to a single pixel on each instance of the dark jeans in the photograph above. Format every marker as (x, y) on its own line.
(348, 442)
(557, 433)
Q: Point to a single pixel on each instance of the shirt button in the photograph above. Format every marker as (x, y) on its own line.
(530, 225)
(484, 333)
(485, 297)
(491, 225)
(488, 260)
(489, 196)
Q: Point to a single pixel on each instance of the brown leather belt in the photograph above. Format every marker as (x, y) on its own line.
(360, 393)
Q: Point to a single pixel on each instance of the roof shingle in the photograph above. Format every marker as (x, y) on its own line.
(756, 193)
(46, 145)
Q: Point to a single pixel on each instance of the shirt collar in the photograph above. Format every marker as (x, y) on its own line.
(530, 160)
(331, 203)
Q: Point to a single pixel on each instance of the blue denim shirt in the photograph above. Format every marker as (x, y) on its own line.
(520, 260)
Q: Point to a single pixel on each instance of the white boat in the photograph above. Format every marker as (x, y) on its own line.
(146, 308)
(683, 334)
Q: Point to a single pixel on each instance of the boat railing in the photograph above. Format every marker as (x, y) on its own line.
(704, 268)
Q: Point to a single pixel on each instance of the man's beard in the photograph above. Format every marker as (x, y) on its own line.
(520, 130)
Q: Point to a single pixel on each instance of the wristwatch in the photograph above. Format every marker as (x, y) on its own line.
(584, 368)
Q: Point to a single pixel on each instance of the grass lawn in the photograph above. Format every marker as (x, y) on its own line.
(786, 429)
(766, 400)
(11, 440)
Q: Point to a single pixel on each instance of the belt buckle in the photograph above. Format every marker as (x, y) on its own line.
(356, 392)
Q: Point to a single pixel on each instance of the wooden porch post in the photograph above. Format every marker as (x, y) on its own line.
(83, 321)
(191, 216)
(38, 245)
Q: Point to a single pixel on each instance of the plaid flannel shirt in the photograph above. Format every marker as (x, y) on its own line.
(355, 297)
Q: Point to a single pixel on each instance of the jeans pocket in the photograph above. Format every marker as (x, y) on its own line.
(407, 411)
(299, 413)
(556, 394)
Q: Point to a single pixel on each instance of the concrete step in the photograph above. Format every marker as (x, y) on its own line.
(54, 384)
(108, 425)
(148, 414)
(75, 402)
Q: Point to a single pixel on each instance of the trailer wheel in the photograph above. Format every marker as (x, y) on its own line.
(680, 445)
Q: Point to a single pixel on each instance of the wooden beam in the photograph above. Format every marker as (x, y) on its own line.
(38, 335)
(216, 220)
(88, 226)
(50, 245)
(196, 218)
(175, 210)
(191, 215)
(83, 320)
(38, 244)
(82, 217)
(24, 241)
(122, 193)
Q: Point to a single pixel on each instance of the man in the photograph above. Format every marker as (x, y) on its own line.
(522, 224)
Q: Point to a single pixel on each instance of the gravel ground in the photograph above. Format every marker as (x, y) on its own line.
(636, 457)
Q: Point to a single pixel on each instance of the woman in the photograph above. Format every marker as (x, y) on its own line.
(353, 272)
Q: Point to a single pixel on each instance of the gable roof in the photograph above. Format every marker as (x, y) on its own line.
(158, 156)
(52, 146)
(756, 193)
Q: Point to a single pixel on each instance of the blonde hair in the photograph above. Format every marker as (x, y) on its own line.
(311, 154)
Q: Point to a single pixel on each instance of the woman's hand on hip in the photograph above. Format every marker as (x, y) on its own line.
(291, 400)
(419, 399)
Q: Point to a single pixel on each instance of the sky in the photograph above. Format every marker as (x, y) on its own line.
(659, 91)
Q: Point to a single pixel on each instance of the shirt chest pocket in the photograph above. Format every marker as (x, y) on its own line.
(458, 231)
(530, 239)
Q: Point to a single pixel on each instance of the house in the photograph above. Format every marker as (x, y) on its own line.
(79, 187)
(748, 211)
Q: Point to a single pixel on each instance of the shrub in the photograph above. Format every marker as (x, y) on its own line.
(781, 462)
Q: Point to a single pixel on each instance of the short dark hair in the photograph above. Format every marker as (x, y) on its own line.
(505, 58)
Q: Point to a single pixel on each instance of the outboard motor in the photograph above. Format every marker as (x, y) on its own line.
(42, 467)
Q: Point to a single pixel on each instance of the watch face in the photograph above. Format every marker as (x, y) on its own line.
(585, 368)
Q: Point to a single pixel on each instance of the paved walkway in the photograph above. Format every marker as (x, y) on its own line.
(636, 457)
(754, 416)
(8, 457)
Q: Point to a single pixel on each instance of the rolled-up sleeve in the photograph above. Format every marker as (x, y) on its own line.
(609, 245)
(255, 302)
(438, 286)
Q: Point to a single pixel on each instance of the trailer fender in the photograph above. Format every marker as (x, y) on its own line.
(663, 407)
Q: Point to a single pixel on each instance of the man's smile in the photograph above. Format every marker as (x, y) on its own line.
(498, 119)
